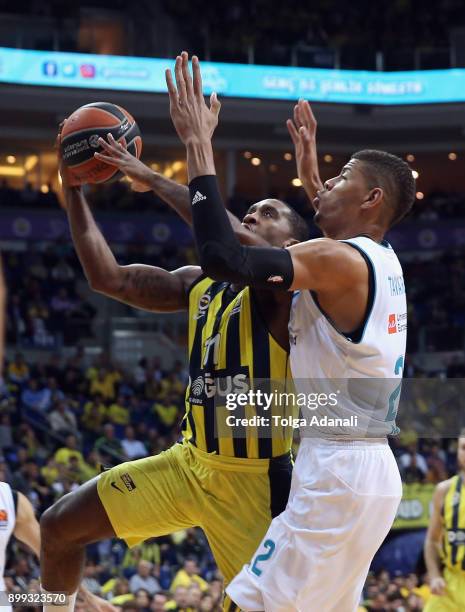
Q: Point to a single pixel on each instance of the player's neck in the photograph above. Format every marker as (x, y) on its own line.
(374, 232)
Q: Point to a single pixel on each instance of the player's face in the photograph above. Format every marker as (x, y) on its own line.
(269, 219)
(338, 203)
(461, 453)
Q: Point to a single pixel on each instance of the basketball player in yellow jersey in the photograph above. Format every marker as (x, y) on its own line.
(445, 541)
(230, 487)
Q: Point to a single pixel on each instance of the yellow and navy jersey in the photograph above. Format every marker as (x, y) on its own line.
(230, 347)
(453, 514)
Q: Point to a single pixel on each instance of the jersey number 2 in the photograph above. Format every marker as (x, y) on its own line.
(394, 397)
(270, 545)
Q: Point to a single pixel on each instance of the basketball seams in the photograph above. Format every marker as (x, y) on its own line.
(78, 146)
(117, 122)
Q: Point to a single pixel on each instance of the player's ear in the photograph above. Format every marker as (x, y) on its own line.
(373, 198)
(290, 242)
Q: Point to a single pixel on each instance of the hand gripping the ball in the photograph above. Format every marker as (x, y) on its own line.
(118, 156)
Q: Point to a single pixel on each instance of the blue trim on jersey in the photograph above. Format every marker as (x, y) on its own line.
(371, 294)
(367, 258)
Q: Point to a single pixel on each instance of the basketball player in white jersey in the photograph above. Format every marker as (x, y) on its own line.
(348, 324)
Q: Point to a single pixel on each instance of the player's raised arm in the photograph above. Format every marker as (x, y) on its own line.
(317, 264)
(175, 195)
(302, 129)
(138, 285)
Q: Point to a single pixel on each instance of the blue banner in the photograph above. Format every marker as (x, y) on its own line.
(81, 70)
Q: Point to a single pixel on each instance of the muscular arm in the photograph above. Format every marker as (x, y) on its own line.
(138, 285)
(27, 528)
(322, 265)
(433, 536)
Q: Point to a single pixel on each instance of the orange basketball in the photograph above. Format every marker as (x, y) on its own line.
(79, 140)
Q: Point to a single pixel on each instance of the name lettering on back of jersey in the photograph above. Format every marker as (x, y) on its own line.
(396, 285)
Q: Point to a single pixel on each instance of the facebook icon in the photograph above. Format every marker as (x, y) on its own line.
(50, 68)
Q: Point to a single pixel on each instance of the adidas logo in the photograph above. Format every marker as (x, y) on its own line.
(198, 197)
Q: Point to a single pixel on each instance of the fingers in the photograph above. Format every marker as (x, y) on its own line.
(172, 91)
(187, 75)
(303, 131)
(297, 117)
(112, 161)
(306, 113)
(215, 104)
(113, 148)
(198, 89)
(180, 83)
(293, 132)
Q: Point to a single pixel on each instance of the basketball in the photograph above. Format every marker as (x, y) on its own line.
(79, 140)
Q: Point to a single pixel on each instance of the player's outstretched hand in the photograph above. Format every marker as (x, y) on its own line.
(302, 129)
(194, 121)
(438, 586)
(118, 156)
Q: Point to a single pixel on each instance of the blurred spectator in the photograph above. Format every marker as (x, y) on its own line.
(34, 398)
(18, 370)
(62, 419)
(104, 384)
(118, 413)
(95, 413)
(108, 444)
(189, 574)
(166, 413)
(64, 454)
(144, 579)
(132, 448)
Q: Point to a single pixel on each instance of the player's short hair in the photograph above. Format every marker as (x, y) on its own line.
(394, 176)
(462, 433)
(298, 225)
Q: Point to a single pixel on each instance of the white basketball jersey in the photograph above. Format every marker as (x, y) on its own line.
(7, 524)
(319, 351)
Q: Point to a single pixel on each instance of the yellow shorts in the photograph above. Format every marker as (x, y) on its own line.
(454, 598)
(232, 500)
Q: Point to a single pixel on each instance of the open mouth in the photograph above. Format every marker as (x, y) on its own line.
(249, 227)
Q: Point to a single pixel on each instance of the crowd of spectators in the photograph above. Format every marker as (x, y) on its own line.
(61, 420)
(44, 305)
(59, 423)
(245, 31)
(358, 29)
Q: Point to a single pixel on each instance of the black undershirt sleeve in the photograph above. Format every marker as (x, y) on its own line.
(222, 257)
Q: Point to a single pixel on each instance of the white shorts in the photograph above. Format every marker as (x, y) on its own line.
(316, 554)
